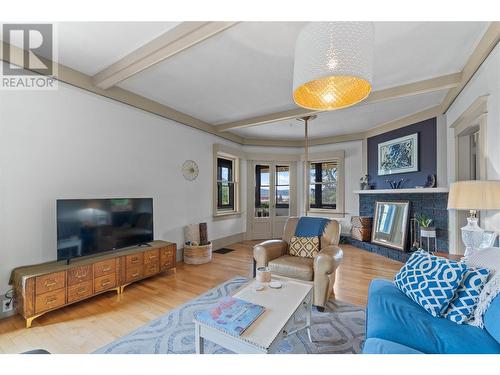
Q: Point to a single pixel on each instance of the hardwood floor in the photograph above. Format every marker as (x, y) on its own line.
(86, 326)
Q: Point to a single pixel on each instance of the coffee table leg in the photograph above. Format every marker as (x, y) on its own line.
(308, 318)
(198, 340)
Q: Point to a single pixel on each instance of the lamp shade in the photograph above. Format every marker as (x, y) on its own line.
(474, 195)
(333, 64)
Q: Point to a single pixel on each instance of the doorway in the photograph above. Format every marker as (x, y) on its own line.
(470, 160)
(273, 200)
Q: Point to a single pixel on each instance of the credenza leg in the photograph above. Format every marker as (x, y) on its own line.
(30, 320)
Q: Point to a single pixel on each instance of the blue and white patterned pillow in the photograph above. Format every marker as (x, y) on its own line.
(464, 302)
(430, 281)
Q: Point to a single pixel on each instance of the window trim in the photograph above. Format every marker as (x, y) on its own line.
(338, 158)
(224, 152)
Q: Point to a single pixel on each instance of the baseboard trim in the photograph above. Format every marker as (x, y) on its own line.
(219, 243)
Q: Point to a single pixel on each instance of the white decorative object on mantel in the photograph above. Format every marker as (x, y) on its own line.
(404, 191)
(190, 170)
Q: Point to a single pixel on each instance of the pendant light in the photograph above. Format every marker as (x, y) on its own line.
(333, 64)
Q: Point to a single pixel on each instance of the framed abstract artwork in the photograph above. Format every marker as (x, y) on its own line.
(398, 155)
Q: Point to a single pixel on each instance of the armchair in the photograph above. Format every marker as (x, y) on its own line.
(320, 269)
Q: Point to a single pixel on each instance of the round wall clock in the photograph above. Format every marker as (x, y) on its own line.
(190, 170)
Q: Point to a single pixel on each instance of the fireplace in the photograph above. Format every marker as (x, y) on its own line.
(431, 202)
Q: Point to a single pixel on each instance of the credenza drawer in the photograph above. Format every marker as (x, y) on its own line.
(50, 282)
(151, 256)
(79, 291)
(104, 282)
(50, 300)
(167, 257)
(151, 268)
(134, 273)
(79, 275)
(104, 267)
(134, 259)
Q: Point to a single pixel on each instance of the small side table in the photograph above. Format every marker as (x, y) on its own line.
(429, 233)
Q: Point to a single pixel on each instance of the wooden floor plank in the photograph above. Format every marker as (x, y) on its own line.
(84, 327)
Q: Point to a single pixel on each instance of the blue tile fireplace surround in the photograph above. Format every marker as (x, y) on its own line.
(430, 204)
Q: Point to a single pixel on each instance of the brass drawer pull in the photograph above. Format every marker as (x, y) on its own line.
(106, 268)
(81, 291)
(49, 283)
(134, 260)
(105, 282)
(135, 274)
(152, 256)
(50, 301)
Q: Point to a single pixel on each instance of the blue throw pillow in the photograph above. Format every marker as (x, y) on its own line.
(466, 297)
(430, 281)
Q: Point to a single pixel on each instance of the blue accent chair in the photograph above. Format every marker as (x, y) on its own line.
(397, 325)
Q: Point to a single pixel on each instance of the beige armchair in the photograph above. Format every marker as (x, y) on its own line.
(320, 270)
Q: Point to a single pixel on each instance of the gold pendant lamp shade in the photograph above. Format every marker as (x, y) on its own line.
(333, 64)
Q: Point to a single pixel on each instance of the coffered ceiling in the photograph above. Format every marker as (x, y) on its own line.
(235, 78)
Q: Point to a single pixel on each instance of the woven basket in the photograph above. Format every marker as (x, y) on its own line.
(361, 234)
(361, 221)
(197, 254)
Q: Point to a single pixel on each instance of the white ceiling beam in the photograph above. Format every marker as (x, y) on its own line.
(420, 87)
(176, 40)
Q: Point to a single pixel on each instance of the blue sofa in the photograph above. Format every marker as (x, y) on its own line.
(397, 325)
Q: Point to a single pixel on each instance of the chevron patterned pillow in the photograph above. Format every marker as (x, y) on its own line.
(464, 302)
(430, 281)
(306, 247)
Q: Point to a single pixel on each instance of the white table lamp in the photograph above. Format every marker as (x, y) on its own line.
(473, 196)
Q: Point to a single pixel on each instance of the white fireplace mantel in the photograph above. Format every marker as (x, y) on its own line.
(404, 191)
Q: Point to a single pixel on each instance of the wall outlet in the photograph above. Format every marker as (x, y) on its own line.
(6, 307)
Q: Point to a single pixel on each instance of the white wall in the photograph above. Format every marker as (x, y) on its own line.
(486, 81)
(70, 143)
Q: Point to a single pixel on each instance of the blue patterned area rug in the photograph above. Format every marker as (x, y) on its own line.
(340, 329)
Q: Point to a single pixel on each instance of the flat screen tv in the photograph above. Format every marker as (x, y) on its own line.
(91, 226)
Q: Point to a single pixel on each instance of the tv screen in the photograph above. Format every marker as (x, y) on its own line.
(91, 226)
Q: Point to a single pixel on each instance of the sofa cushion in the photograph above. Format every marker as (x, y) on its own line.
(430, 281)
(464, 302)
(392, 316)
(306, 247)
(492, 318)
(294, 267)
(381, 346)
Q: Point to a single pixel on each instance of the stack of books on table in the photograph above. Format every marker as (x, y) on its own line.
(230, 315)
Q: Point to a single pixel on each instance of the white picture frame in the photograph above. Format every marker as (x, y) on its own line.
(399, 155)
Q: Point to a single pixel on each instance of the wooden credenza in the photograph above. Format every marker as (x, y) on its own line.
(50, 286)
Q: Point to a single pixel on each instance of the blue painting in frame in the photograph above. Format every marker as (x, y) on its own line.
(398, 155)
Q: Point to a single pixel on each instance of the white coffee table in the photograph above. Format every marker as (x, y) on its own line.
(275, 324)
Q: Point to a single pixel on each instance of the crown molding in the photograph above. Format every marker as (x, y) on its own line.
(487, 43)
(419, 87)
(176, 40)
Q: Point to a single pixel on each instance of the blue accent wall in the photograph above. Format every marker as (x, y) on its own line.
(427, 155)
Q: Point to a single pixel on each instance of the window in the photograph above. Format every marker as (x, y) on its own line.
(323, 185)
(225, 184)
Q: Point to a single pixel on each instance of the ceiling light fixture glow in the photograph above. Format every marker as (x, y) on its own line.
(333, 64)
